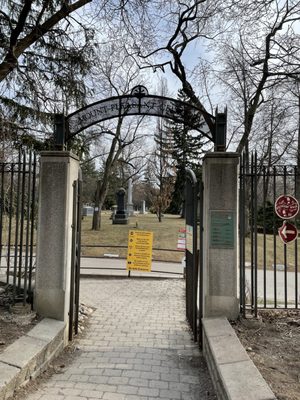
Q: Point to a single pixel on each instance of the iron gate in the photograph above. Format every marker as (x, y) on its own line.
(269, 274)
(75, 258)
(18, 212)
(194, 217)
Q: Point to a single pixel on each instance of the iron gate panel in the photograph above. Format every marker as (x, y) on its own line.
(192, 258)
(18, 212)
(75, 258)
(268, 267)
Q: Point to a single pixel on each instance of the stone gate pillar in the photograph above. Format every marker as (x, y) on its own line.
(58, 170)
(220, 180)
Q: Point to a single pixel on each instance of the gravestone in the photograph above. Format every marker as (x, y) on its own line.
(143, 209)
(120, 217)
(113, 211)
(129, 199)
(87, 211)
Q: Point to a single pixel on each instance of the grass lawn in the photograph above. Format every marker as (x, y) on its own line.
(268, 257)
(165, 235)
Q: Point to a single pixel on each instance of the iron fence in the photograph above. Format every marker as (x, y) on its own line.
(18, 209)
(269, 274)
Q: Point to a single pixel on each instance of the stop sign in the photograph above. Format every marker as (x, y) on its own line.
(288, 232)
(286, 206)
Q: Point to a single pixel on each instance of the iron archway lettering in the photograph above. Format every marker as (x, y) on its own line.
(131, 105)
(139, 102)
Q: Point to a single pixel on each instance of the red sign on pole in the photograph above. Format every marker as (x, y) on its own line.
(288, 232)
(286, 206)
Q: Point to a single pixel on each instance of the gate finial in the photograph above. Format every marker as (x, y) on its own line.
(139, 91)
(220, 131)
(59, 131)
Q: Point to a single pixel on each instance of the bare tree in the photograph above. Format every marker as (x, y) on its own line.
(122, 137)
(259, 58)
(115, 73)
(262, 33)
(157, 35)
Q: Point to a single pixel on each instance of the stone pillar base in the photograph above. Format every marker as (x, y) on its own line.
(58, 171)
(220, 306)
(220, 178)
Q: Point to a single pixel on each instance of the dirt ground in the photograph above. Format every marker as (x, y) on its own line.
(13, 326)
(273, 343)
(15, 320)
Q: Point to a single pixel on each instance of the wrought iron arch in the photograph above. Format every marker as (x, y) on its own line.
(139, 102)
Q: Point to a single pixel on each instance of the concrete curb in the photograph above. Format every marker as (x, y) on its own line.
(29, 355)
(234, 375)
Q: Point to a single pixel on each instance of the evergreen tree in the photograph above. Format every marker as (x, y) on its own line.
(186, 148)
(90, 176)
(162, 171)
(45, 54)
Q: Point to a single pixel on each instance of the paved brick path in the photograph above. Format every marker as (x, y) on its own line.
(138, 346)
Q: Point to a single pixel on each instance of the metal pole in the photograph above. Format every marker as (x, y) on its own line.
(296, 248)
(285, 247)
(255, 234)
(73, 260)
(28, 216)
(32, 229)
(78, 251)
(17, 227)
(264, 238)
(274, 239)
(22, 222)
(10, 220)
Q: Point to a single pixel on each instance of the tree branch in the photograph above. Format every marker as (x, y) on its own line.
(17, 47)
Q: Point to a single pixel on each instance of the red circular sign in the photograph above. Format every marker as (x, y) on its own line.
(288, 232)
(286, 206)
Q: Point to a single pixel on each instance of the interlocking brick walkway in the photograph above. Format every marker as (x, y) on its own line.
(137, 347)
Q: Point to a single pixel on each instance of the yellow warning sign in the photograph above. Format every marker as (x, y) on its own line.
(139, 255)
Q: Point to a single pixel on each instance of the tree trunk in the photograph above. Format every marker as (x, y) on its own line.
(102, 186)
(96, 224)
(159, 214)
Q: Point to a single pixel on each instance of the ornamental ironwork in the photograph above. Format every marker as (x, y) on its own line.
(140, 102)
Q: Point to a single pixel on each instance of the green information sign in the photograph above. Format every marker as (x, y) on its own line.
(221, 229)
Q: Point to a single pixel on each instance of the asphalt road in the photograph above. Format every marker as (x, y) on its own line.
(117, 267)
